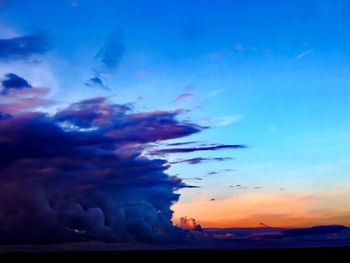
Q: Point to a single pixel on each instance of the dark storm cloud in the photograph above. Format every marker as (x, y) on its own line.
(144, 127)
(23, 48)
(301, 232)
(79, 175)
(4, 116)
(315, 230)
(198, 160)
(195, 149)
(12, 81)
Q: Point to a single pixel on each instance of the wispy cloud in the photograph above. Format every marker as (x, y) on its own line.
(183, 97)
(26, 48)
(96, 81)
(107, 60)
(218, 172)
(221, 121)
(214, 93)
(195, 149)
(198, 160)
(110, 55)
(303, 54)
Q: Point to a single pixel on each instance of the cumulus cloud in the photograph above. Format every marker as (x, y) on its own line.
(79, 175)
(26, 47)
(12, 81)
(189, 224)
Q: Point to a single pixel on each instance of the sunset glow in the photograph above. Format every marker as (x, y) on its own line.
(193, 124)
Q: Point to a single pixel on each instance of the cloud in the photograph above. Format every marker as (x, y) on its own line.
(303, 54)
(195, 149)
(4, 116)
(96, 81)
(221, 121)
(79, 175)
(193, 178)
(107, 60)
(189, 224)
(181, 143)
(227, 120)
(214, 93)
(217, 172)
(183, 97)
(239, 186)
(315, 230)
(26, 47)
(263, 225)
(12, 81)
(198, 160)
(18, 95)
(112, 52)
(301, 232)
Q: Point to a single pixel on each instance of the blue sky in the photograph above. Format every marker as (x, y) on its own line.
(273, 75)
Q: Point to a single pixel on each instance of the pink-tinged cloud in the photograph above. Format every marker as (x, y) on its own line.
(183, 97)
(79, 175)
(189, 224)
(17, 101)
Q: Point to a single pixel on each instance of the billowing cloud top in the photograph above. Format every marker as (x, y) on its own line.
(79, 174)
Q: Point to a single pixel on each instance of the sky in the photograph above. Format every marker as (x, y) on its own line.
(119, 115)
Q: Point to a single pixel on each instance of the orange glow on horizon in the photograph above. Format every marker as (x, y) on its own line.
(250, 210)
